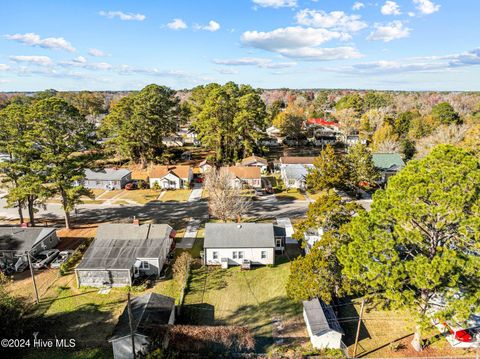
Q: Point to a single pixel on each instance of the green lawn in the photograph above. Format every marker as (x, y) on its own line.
(290, 194)
(141, 196)
(234, 297)
(178, 195)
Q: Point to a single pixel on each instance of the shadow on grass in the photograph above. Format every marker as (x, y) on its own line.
(346, 309)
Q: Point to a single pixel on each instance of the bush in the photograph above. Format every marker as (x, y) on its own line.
(71, 262)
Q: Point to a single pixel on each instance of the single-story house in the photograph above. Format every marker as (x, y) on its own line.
(123, 251)
(149, 311)
(298, 160)
(255, 161)
(232, 243)
(15, 242)
(388, 164)
(205, 166)
(322, 325)
(295, 176)
(245, 176)
(171, 177)
(107, 178)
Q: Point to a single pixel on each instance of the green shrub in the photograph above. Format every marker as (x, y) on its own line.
(71, 262)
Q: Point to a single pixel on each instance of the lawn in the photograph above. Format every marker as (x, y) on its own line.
(291, 195)
(178, 195)
(141, 196)
(233, 297)
(111, 194)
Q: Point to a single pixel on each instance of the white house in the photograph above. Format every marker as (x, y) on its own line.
(322, 325)
(205, 166)
(170, 177)
(255, 161)
(107, 178)
(245, 176)
(149, 311)
(233, 243)
(294, 170)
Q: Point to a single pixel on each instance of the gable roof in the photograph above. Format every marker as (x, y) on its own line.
(297, 160)
(296, 172)
(106, 174)
(244, 172)
(117, 246)
(20, 240)
(253, 159)
(321, 121)
(239, 235)
(386, 161)
(161, 171)
(321, 317)
(148, 310)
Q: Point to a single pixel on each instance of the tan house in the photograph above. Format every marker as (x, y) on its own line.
(255, 161)
(170, 176)
(245, 176)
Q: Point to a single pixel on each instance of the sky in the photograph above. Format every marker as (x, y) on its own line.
(127, 44)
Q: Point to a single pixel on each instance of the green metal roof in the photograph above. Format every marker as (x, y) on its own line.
(385, 161)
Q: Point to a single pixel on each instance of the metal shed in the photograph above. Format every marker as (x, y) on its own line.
(322, 325)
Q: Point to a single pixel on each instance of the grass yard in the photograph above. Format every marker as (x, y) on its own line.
(141, 196)
(252, 298)
(111, 194)
(290, 195)
(178, 195)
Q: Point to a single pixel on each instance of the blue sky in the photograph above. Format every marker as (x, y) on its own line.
(124, 45)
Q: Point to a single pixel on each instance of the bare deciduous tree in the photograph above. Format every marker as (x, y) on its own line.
(224, 198)
(448, 135)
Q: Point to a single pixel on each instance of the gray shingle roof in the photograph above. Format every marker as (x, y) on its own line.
(386, 161)
(321, 317)
(296, 172)
(21, 240)
(117, 246)
(107, 174)
(239, 235)
(148, 311)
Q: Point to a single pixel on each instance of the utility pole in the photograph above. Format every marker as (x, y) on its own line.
(130, 322)
(358, 328)
(33, 278)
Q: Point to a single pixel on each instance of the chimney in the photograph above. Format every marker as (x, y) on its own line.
(136, 221)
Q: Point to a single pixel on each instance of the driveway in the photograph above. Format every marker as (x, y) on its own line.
(196, 194)
(190, 235)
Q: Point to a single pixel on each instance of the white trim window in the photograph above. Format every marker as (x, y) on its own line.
(240, 255)
(215, 255)
(234, 255)
(264, 254)
(144, 265)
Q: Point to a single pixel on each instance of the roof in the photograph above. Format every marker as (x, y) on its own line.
(297, 160)
(148, 310)
(162, 171)
(106, 174)
(296, 172)
(244, 172)
(320, 317)
(321, 121)
(385, 161)
(21, 240)
(117, 246)
(239, 235)
(253, 159)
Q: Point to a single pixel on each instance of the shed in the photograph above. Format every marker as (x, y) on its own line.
(322, 325)
(149, 311)
(121, 252)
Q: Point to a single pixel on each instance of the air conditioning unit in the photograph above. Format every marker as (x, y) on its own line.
(224, 262)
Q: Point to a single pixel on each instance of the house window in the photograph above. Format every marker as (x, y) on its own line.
(278, 242)
(234, 255)
(145, 265)
(215, 255)
(264, 254)
(240, 255)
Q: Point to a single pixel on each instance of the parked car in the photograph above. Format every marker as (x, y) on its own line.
(43, 259)
(131, 186)
(61, 258)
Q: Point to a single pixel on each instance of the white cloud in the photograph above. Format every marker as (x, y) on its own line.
(411, 14)
(255, 61)
(389, 32)
(96, 52)
(358, 5)
(33, 39)
(123, 16)
(299, 42)
(336, 20)
(4, 67)
(227, 71)
(177, 24)
(82, 62)
(390, 8)
(37, 60)
(212, 26)
(275, 3)
(426, 7)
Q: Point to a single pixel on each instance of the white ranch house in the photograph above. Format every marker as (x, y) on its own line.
(170, 177)
(107, 178)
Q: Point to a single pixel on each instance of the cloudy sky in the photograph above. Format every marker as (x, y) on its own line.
(124, 45)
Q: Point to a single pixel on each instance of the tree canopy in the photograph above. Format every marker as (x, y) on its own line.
(445, 114)
(330, 171)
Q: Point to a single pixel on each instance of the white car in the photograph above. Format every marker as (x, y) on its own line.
(43, 259)
(61, 258)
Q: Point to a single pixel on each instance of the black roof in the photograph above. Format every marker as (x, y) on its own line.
(20, 240)
(148, 311)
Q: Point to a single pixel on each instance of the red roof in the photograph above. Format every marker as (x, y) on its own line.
(321, 121)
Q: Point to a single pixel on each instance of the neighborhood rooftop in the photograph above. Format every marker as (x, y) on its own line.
(161, 171)
(22, 239)
(244, 172)
(321, 317)
(387, 161)
(297, 172)
(297, 160)
(116, 246)
(253, 159)
(239, 235)
(148, 311)
(106, 174)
